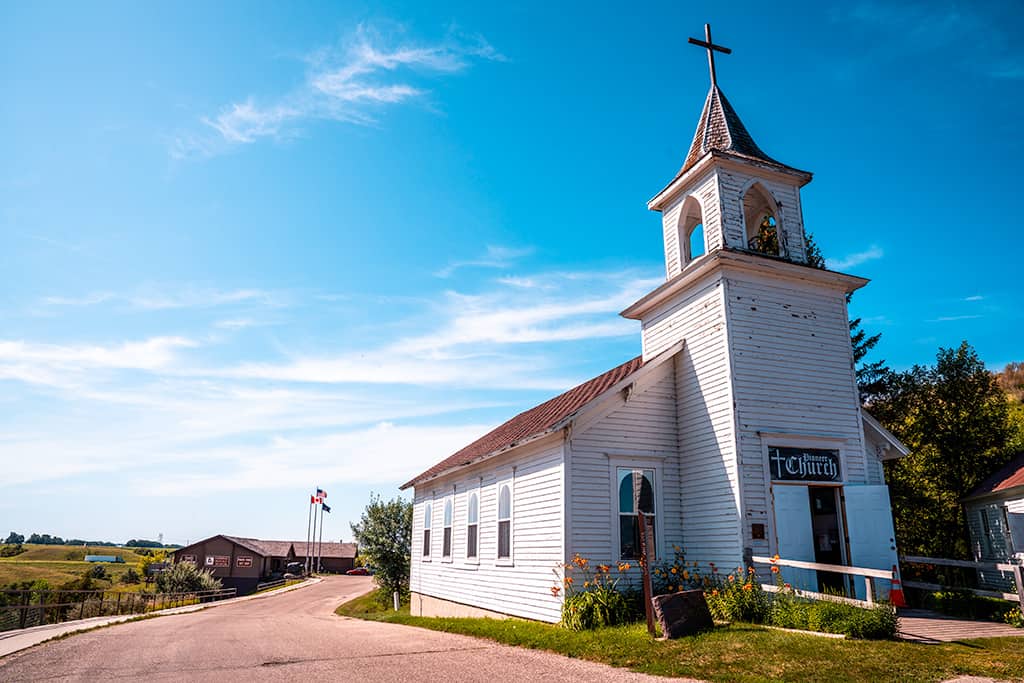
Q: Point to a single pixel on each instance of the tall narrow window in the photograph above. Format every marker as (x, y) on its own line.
(504, 523)
(634, 495)
(446, 545)
(426, 530)
(472, 515)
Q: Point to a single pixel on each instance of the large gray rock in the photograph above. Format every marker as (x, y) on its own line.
(682, 614)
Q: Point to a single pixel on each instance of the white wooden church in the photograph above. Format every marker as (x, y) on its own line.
(741, 415)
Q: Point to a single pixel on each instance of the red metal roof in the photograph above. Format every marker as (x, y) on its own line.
(1007, 477)
(532, 422)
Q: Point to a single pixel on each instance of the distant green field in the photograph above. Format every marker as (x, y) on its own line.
(58, 564)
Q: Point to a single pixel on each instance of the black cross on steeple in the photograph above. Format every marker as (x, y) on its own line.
(711, 48)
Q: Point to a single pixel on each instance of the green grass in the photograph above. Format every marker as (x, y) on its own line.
(734, 653)
(58, 564)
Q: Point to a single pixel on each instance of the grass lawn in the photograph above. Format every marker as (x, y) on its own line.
(58, 564)
(735, 653)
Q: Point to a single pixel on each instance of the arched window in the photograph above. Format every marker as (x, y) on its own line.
(472, 517)
(691, 232)
(427, 510)
(504, 523)
(446, 544)
(760, 212)
(632, 499)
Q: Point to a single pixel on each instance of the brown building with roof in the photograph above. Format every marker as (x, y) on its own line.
(242, 563)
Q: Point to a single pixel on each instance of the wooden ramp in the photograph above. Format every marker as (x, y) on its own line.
(923, 626)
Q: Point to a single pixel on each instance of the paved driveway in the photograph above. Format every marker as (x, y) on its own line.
(292, 636)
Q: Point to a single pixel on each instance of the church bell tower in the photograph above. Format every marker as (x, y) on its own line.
(764, 359)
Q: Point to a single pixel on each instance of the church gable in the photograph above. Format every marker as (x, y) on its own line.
(638, 430)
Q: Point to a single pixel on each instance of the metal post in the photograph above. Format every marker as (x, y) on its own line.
(42, 607)
(119, 604)
(320, 552)
(309, 533)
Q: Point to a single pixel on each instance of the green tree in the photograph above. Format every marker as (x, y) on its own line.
(384, 535)
(15, 538)
(955, 419)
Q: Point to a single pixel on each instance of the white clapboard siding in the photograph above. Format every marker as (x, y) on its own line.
(640, 432)
(792, 374)
(521, 588)
(705, 191)
(709, 476)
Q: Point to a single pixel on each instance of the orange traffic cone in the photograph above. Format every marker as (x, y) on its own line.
(896, 592)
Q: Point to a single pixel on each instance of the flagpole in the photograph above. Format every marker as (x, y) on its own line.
(309, 533)
(320, 554)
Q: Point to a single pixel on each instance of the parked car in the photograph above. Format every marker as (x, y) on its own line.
(359, 571)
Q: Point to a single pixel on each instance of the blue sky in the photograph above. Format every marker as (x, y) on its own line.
(251, 249)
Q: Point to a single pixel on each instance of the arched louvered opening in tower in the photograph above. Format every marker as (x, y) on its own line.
(761, 217)
(692, 243)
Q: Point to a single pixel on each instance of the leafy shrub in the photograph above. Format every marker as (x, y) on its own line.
(963, 603)
(592, 597)
(11, 550)
(1014, 618)
(739, 597)
(185, 577)
(676, 575)
(131, 576)
(97, 571)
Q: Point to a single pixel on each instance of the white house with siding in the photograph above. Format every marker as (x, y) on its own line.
(741, 415)
(995, 520)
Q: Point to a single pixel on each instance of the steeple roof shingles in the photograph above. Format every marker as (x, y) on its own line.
(721, 130)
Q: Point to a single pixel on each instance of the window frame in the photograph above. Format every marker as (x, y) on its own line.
(428, 524)
(472, 494)
(508, 560)
(654, 469)
(447, 529)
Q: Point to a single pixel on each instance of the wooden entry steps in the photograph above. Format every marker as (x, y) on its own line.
(923, 626)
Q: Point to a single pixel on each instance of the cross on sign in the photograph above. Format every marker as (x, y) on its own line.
(711, 48)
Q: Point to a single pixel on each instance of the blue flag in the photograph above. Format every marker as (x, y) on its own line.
(325, 507)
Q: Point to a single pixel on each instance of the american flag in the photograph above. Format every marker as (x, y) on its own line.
(321, 494)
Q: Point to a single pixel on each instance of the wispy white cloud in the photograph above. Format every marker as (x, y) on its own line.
(953, 318)
(856, 259)
(976, 297)
(351, 84)
(153, 298)
(496, 256)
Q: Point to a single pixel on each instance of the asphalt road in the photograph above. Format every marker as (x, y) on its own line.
(291, 636)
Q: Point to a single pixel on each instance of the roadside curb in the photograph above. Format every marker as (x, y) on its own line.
(16, 641)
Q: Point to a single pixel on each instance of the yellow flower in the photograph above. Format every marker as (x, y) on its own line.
(671, 588)
(586, 584)
(686, 575)
(674, 570)
(714, 592)
(747, 587)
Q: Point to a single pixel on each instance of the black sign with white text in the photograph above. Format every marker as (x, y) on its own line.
(804, 464)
